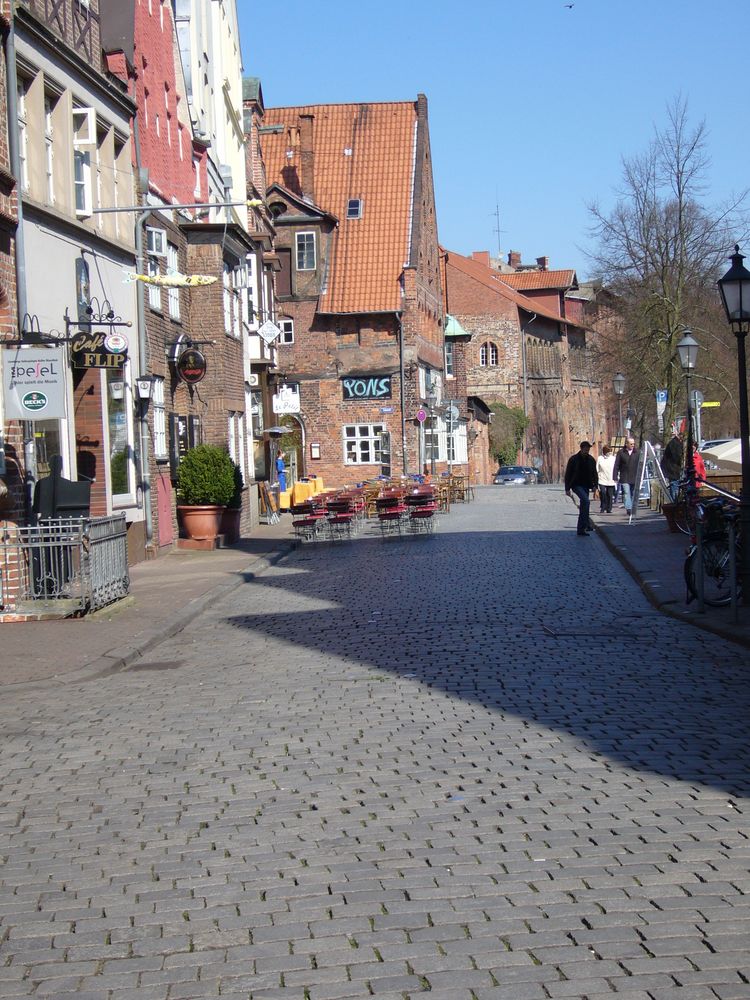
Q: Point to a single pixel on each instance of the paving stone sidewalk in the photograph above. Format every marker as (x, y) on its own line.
(477, 766)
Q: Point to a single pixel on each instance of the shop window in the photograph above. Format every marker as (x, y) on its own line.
(362, 443)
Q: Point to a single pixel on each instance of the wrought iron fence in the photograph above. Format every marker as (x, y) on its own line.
(63, 566)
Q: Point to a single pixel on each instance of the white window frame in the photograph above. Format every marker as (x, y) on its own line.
(361, 443)
(84, 134)
(448, 359)
(154, 291)
(161, 451)
(483, 354)
(22, 87)
(494, 355)
(303, 242)
(156, 241)
(287, 331)
(354, 208)
(173, 294)
(49, 146)
(82, 182)
(227, 298)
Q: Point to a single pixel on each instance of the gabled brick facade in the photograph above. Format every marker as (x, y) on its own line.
(366, 309)
(522, 353)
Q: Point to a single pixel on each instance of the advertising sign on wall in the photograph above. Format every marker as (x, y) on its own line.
(33, 383)
(97, 349)
(367, 387)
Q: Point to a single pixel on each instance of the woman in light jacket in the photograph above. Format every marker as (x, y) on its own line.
(605, 466)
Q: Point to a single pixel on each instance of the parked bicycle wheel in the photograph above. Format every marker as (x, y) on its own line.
(717, 585)
(684, 512)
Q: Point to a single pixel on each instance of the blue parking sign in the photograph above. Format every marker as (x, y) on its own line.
(661, 395)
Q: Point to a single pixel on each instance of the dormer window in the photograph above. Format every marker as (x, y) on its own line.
(354, 208)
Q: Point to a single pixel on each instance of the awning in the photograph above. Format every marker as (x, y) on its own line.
(453, 328)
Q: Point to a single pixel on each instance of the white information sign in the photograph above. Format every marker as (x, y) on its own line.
(268, 331)
(34, 383)
(286, 400)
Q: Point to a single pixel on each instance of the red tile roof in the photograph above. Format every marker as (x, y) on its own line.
(491, 279)
(363, 151)
(539, 280)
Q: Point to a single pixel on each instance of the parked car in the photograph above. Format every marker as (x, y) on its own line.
(713, 443)
(533, 473)
(512, 475)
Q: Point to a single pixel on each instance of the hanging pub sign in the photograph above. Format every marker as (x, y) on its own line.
(191, 366)
(367, 387)
(97, 349)
(33, 383)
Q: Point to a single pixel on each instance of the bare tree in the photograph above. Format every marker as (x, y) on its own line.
(659, 253)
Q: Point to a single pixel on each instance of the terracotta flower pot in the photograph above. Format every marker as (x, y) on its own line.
(200, 523)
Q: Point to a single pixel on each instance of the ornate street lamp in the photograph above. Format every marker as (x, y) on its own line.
(688, 349)
(735, 296)
(618, 383)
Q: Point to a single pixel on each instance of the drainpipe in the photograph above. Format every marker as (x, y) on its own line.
(9, 43)
(403, 392)
(523, 370)
(140, 305)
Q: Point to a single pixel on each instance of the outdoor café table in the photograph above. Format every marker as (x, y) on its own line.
(302, 491)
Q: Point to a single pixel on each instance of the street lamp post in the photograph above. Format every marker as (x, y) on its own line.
(735, 295)
(431, 403)
(688, 349)
(618, 383)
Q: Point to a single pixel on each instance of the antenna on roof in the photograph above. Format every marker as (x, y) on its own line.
(497, 229)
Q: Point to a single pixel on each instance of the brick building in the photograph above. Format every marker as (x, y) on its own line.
(72, 157)
(12, 466)
(358, 291)
(181, 129)
(521, 348)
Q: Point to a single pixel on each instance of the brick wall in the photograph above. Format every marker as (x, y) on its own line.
(563, 405)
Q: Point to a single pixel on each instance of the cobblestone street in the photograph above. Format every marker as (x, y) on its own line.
(474, 765)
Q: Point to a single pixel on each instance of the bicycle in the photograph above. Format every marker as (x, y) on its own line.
(714, 516)
(685, 504)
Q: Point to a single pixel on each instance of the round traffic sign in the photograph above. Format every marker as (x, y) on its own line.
(421, 415)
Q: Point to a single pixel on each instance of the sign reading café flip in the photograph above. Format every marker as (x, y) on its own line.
(33, 383)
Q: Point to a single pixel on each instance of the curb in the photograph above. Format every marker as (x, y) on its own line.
(118, 659)
(653, 591)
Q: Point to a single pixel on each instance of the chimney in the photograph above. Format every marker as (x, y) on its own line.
(543, 263)
(514, 259)
(307, 157)
(481, 257)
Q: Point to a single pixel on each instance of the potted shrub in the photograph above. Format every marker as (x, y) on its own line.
(230, 520)
(205, 485)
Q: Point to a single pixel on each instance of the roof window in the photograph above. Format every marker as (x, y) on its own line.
(354, 208)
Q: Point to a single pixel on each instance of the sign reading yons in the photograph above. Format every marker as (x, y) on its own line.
(33, 383)
(375, 387)
(191, 366)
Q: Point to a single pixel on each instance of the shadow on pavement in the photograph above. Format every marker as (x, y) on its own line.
(527, 623)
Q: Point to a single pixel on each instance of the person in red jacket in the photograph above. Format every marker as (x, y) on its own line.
(699, 465)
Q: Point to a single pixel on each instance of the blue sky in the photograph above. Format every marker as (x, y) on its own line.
(532, 104)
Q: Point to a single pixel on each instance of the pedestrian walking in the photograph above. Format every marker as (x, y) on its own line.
(581, 479)
(605, 467)
(281, 472)
(626, 472)
(672, 462)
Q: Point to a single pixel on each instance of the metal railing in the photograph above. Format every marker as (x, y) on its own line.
(63, 566)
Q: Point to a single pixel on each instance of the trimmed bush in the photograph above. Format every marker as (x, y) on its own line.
(205, 476)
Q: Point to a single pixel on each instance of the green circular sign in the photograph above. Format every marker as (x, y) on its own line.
(34, 401)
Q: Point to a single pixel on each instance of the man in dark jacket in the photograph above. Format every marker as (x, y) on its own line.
(581, 478)
(672, 462)
(626, 472)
